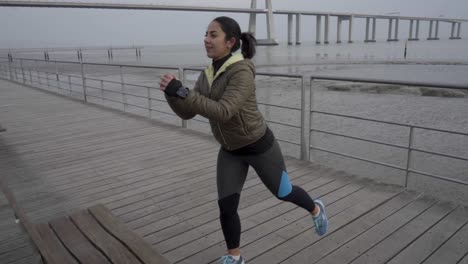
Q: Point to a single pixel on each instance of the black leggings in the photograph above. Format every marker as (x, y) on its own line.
(231, 174)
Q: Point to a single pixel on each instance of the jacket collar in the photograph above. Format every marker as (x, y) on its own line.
(210, 70)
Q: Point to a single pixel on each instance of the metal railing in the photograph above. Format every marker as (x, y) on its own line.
(23, 71)
(410, 149)
(19, 70)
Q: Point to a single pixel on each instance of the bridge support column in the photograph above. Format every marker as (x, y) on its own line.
(318, 30)
(456, 26)
(350, 33)
(271, 38)
(290, 28)
(437, 30)
(413, 37)
(338, 30)
(298, 29)
(370, 38)
(253, 17)
(390, 29)
(327, 29)
(367, 29)
(374, 26)
(431, 27)
(459, 31)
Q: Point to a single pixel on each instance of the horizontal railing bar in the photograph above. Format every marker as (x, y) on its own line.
(280, 106)
(361, 139)
(359, 158)
(440, 154)
(288, 141)
(390, 123)
(396, 82)
(439, 177)
(280, 123)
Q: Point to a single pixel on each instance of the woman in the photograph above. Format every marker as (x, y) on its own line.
(225, 94)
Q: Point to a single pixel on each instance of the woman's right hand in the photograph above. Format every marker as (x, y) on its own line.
(165, 80)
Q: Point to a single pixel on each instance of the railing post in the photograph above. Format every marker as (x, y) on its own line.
(83, 81)
(16, 74)
(22, 71)
(304, 148)
(30, 76)
(57, 77)
(47, 79)
(69, 84)
(124, 96)
(9, 70)
(311, 100)
(182, 80)
(149, 103)
(408, 158)
(102, 91)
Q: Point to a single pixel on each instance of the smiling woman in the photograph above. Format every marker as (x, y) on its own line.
(225, 93)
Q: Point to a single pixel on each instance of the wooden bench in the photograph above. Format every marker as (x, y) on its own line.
(91, 236)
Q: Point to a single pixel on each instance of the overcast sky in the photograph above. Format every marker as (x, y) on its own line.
(47, 27)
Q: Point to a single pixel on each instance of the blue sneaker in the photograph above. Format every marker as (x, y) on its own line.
(321, 221)
(227, 259)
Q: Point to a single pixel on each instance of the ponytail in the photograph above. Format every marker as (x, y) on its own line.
(232, 30)
(248, 45)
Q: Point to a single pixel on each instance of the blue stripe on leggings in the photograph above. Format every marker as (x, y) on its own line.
(285, 187)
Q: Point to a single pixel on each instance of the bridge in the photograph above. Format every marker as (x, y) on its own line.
(370, 30)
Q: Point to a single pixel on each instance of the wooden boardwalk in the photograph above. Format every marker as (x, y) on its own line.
(59, 155)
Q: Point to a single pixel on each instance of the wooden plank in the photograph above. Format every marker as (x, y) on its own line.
(353, 249)
(105, 242)
(400, 239)
(452, 250)
(135, 243)
(57, 253)
(34, 233)
(464, 260)
(34, 259)
(17, 254)
(76, 242)
(422, 248)
(307, 246)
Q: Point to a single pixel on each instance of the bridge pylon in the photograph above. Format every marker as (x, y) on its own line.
(271, 37)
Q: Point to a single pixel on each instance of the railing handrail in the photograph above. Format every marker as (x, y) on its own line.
(386, 81)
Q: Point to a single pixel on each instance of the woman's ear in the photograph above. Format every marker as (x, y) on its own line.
(231, 42)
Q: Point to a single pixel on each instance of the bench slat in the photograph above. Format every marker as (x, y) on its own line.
(135, 243)
(76, 242)
(51, 244)
(112, 248)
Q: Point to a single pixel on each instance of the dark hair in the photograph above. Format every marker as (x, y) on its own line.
(232, 30)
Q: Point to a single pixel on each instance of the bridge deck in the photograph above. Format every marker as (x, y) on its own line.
(59, 155)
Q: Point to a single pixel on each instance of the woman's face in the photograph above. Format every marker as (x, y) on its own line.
(215, 44)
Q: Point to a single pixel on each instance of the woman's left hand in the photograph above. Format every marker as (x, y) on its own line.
(165, 80)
